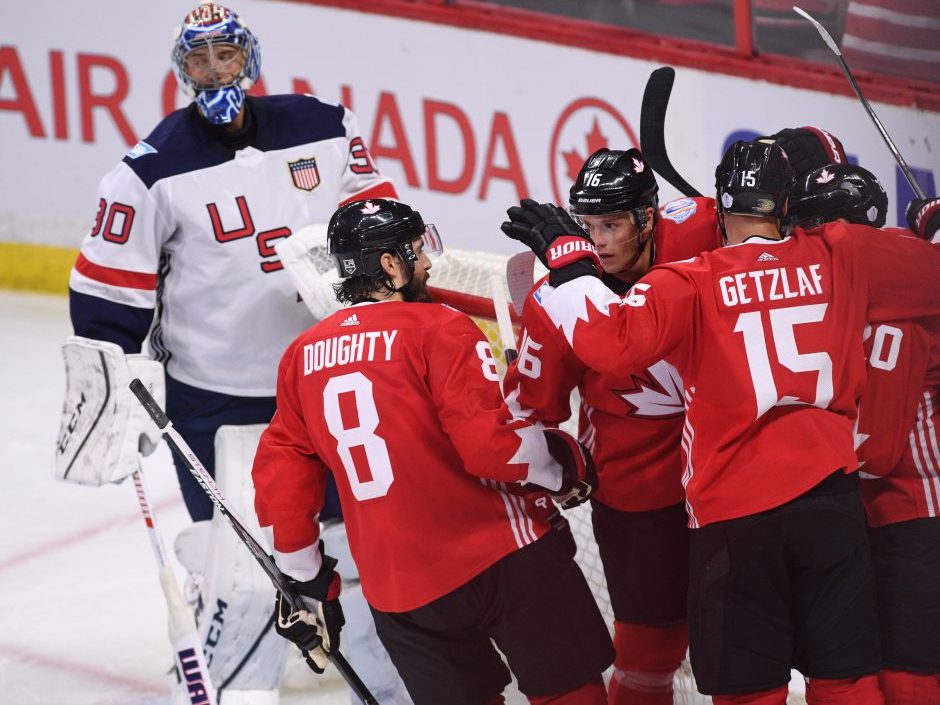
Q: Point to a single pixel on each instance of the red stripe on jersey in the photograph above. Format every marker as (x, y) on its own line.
(927, 456)
(521, 523)
(528, 529)
(383, 190)
(115, 277)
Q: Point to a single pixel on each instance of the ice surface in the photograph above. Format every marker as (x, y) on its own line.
(82, 617)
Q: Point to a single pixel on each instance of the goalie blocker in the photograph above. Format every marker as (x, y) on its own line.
(103, 427)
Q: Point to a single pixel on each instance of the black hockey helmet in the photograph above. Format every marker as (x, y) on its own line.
(809, 148)
(614, 181)
(361, 231)
(838, 191)
(753, 178)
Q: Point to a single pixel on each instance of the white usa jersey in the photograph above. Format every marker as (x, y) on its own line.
(188, 221)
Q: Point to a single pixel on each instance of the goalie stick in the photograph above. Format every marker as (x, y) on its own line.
(831, 43)
(190, 660)
(179, 446)
(653, 128)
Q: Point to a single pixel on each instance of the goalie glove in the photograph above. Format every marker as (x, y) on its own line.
(104, 428)
(316, 630)
(558, 242)
(923, 217)
(578, 475)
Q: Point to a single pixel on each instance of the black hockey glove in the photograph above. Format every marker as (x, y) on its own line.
(809, 148)
(578, 475)
(316, 630)
(923, 217)
(555, 238)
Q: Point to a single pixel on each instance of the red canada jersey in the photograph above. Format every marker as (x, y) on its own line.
(767, 337)
(896, 433)
(401, 401)
(631, 423)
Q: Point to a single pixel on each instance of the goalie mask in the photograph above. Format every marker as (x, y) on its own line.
(753, 178)
(838, 191)
(614, 181)
(216, 60)
(360, 232)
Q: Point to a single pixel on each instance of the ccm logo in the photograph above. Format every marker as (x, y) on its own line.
(575, 244)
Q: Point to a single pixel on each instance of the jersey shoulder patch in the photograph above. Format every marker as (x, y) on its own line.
(679, 210)
(537, 294)
(139, 150)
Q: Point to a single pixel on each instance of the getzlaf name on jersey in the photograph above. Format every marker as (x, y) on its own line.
(632, 424)
(213, 266)
(767, 336)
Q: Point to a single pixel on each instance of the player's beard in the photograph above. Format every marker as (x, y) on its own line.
(417, 289)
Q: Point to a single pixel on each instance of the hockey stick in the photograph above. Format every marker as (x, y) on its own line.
(827, 38)
(503, 319)
(653, 128)
(520, 275)
(179, 446)
(190, 660)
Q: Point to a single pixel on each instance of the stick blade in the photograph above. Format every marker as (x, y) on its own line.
(520, 276)
(819, 28)
(653, 111)
(653, 128)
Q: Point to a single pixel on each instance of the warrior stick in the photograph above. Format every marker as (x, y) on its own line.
(179, 446)
(827, 38)
(190, 660)
(653, 128)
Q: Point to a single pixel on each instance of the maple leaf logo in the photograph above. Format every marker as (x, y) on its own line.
(656, 393)
(825, 176)
(638, 166)
(369, 208)
(595, 139)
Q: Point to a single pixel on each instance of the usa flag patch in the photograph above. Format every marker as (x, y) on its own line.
(304, 174)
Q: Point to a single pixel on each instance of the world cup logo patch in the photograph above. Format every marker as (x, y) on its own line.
(304, 174)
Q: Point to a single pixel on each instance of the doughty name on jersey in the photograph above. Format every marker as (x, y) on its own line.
(346, 349)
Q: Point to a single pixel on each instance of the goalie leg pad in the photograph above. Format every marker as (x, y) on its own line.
(236, 625)
(104, 427)
(360, 641)
(366, 654)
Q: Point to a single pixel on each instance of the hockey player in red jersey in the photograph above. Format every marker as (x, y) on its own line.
(767, 336)
(399, 399)
(897, 447)
(632, 424)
